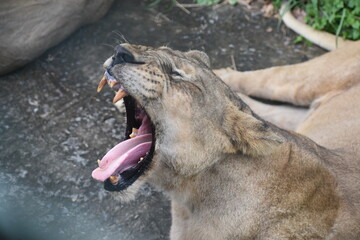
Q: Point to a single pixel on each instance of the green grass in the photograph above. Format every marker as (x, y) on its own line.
(207, 2)
(340, 17)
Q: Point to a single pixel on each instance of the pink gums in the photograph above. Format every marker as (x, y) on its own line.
(125, 154)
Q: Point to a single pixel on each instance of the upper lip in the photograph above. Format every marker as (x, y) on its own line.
(122, 56)
(114, 84)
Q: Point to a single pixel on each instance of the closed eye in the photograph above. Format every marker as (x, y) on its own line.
(176, 73)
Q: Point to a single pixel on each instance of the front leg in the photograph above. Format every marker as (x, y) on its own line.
(300, 84)
(284, 116)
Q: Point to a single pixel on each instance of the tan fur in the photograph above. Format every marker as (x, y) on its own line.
(284, 116)
(232, 175)
(295, 83)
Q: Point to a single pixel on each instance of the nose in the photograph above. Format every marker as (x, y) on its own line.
(122, 55)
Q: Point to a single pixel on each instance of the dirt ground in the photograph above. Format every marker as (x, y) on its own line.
(54, 126)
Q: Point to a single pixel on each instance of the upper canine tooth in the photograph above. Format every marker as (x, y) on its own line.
(98, 162)
(119, 95)
(102, 83)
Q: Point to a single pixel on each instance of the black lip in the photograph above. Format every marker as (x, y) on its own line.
(129, 176)
(122, 55)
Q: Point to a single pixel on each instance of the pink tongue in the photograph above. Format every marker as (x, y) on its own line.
(127, 153)
(124, 155)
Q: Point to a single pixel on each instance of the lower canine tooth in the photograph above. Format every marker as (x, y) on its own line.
(114, 179)
(102, 83)
(134, 133)
(119, 95)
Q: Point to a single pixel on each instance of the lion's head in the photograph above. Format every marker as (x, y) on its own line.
(181, 118)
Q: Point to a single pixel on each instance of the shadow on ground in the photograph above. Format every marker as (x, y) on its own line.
(54, 126)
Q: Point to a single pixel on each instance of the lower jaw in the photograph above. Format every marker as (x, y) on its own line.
(129, 176)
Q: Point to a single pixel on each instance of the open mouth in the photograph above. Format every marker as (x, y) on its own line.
(129, 159)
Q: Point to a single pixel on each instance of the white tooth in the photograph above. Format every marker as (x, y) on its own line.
(141, 159)
(98, 162)
(134, 133)
(119, 95)
(114, 179)
(101, 83)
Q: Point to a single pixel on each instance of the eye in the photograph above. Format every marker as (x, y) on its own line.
(175, 73)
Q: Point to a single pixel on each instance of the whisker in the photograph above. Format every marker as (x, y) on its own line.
(108, 45)
(118, 41)
(121, 36)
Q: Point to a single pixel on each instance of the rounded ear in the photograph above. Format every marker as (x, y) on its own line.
(199, 56)
(248, 134)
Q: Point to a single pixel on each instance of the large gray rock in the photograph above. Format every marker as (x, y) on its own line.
(29, 27)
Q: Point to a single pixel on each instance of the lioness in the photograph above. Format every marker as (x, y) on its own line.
(229, 173)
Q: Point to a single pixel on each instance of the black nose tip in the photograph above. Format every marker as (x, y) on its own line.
(122, 55)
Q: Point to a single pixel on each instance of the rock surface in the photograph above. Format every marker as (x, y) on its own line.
(54, 126)
(30, 27)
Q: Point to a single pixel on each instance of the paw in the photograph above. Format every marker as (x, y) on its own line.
(223, 73)
(234, 79)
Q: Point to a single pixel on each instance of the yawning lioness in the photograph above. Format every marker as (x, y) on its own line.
(229, 173)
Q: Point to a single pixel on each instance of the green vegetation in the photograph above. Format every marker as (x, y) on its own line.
(207, 2)
(340, 17)
(212, 2)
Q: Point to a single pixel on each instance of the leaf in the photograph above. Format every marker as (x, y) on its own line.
(207, 2)
(233, 2)
(356, 34)
(153, 4)
(340, 17)
(298, 39)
